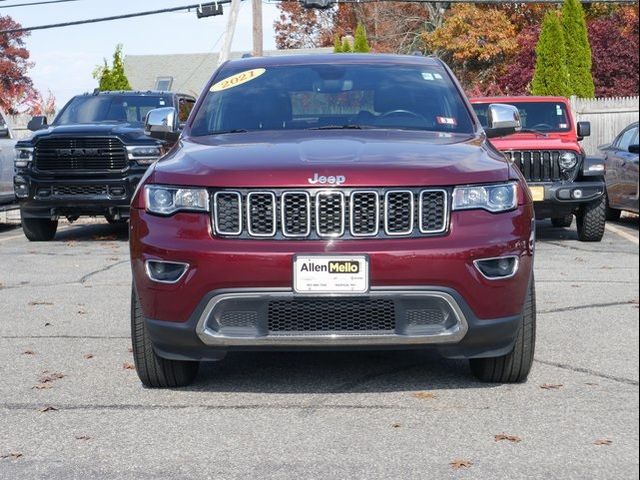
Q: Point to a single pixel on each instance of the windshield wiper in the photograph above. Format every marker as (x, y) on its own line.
(535, 132)
(234, 130)
(340, 127)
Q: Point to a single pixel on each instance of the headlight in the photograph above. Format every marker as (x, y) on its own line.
(494, 198)
(169, 200)
(568, 160)
(24, 156)
(144, 155)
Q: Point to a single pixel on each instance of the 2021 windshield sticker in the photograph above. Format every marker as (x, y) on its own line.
(237, 79)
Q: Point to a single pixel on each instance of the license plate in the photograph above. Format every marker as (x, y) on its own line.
(537, 193)
(330, 274)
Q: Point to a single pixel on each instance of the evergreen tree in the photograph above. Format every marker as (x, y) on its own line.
(346, 46)
(551, 76)
(360, 43)
(112, 78)
(337, 44)
(576, 39)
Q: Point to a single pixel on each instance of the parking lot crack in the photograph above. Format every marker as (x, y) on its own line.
(564, 366)
(585, 307)
(101, 270)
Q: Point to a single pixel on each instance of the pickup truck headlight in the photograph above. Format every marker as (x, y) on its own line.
(168, 200)
(144, 155)
(24, 157)
(568, 161)
(493, 198)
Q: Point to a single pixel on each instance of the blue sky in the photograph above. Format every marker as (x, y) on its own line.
(65, 58)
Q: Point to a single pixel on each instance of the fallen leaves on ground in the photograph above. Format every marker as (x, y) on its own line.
(29, 352)
(48, 324)
(48, 408)
(509, 438)
(459, 464)
(83, 437)
(552, 386)
(424, 395)
(82, 311)
(37, 303)
(603, 441)
(396, 425)
(12, 455)
(48, 377)
(88, 356)
(105, 238)
(42, 386)
(128, 366)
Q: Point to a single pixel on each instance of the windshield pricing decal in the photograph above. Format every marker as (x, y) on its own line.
(237, 79)
(447, 121)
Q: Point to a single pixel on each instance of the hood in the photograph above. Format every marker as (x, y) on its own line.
(531, 141)
(124, 131)
(366, 158)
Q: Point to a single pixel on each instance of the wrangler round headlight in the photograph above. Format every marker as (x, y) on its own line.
(568, 160)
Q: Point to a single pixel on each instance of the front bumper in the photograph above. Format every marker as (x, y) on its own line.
(53, 197)
(565, 198)
(461, 335)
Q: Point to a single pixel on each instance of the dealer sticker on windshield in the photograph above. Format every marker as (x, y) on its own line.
(237, 79)
(330, 274)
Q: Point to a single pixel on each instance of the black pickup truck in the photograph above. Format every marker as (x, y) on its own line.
(89, 161)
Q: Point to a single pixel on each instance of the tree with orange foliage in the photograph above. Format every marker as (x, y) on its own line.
(477, 43)
(15, 84)
(37, 104)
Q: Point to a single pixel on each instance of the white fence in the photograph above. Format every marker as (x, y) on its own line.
(608, 117)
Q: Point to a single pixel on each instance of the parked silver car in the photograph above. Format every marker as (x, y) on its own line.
(7, 144)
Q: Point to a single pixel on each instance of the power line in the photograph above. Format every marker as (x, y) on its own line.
(36, 3)
(112, 18)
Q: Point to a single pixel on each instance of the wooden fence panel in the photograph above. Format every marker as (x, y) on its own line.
(608, 117)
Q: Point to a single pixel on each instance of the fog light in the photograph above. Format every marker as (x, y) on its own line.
(498, 268)
(577, 194)
(20, 187)
(165, 272)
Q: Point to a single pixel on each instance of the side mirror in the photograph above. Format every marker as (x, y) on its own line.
(584, 129)
(502, 120)
(37, 123)
(634, 148)
(162, 124)
(4, 131)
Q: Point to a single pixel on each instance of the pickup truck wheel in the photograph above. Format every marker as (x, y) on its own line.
(39, 229)
(154, 371)
(515, 366)
(562, 222)
(592, 219)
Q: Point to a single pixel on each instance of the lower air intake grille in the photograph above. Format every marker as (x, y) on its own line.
(331, 315)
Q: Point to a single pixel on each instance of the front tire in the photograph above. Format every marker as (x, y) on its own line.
(562, 222)
(154, 371)
(592, 219)
(39, 229)
(515, 366)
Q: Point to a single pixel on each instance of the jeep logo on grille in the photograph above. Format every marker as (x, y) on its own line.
(78, 152)
(331, 180)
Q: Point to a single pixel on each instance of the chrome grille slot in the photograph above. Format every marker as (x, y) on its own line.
(227, 210)
(296, 214)
(433, 211)
(337, 213)
(364, 213)
(398, 212)
(69, 154)
(330, 213)
(261, 214)
(541, 165)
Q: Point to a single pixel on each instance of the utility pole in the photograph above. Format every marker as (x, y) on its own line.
(225, 51)
(258, 49)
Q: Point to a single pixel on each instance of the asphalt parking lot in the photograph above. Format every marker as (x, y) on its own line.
(72, 407)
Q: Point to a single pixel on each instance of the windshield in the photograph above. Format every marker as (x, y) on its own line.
(110, 109)
(540, 116)
(333, 96)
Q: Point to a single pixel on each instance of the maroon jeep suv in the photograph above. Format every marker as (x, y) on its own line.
(332, 202)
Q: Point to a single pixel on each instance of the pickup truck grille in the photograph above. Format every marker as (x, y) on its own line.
(540, 165)
(69, 154)
(332, 213)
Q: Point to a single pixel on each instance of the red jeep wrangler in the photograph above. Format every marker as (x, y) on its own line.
(332, 202)
(563, 181)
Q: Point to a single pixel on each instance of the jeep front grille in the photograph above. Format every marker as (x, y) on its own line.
(541, 165)
(69, 154)
(334, 213)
